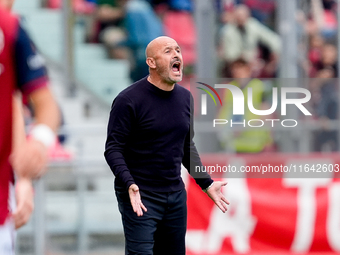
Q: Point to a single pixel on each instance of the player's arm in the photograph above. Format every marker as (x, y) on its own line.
(24, 196)
(23, 184)
(29, 157)
(269, 38)
(18, 124)
(45, 108)
(32, 81)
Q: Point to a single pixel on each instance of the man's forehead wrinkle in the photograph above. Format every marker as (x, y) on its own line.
(160, 44)
(171, 46)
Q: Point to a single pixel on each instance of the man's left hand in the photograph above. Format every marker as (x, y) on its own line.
(216, 195)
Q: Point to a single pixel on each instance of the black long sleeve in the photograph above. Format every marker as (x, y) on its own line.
(149, 137)
(118, 131)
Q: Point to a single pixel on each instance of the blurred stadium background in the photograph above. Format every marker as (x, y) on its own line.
(95, 48)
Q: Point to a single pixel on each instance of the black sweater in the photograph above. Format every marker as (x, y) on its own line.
(150, 134)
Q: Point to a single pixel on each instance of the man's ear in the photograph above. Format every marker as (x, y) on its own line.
(151, 62)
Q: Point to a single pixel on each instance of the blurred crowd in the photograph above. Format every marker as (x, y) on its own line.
(125, 27)
(247, 30)
(248, 45)
(322, 64)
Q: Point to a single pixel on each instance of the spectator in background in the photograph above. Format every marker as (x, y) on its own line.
(249, 140)
(314, 53)
(159, 6)
(109, 13)
(225, 9)
(328, 60)
(325, 104)
(109, 18)
(140, 17)
(324, 19)
(181, 5)
(142, 26)
(241, 37)
(178, 5)
(262, 10)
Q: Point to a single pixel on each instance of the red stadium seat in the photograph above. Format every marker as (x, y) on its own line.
(79, 6)
(181, 27)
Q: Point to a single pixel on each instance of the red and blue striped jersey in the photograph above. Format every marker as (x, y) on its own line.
(21, 68)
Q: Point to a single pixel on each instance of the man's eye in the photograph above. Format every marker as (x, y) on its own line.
(167, 51)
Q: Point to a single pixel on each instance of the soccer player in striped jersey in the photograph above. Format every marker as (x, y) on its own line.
(22, 70)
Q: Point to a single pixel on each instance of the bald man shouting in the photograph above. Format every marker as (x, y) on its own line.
(150, 134)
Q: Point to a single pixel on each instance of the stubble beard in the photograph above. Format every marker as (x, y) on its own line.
(165, 74)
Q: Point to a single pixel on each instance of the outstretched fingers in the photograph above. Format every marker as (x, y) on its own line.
(143, 207)
(215, 193)
(225, 200)
(136, 201)
(222, 206)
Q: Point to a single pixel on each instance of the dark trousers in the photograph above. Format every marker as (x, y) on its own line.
(161, 230)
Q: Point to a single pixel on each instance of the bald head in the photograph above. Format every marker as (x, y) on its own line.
(156, 44)
(164, 58)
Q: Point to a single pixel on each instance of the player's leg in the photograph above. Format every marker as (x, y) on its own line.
(170, 235)
(7, 231)
(7, 236)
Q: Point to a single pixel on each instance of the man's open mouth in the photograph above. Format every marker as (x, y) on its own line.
(176, 67)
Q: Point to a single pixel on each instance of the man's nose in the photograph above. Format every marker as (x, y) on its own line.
(177, 55)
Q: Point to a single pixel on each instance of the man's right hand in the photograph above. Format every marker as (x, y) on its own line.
(136, 201)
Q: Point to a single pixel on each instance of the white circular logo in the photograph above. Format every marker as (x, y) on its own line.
(2, 40)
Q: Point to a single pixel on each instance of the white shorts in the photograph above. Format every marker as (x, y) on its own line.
(7, 237)
(7, 231)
